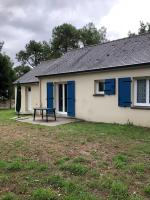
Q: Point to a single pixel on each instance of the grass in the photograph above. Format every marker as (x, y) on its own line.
(77, 161)
(44, 194)
(120, 161)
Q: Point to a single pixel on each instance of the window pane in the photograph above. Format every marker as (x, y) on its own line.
(100, 86)
(66, 97)
(60, 95)
(141, 91)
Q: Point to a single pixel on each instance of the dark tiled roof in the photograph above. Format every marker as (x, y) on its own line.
(118, 53)
(29, 77)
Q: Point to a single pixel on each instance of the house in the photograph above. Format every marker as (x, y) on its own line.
(108, 82)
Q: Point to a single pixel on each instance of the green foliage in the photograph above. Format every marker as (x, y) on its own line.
(120, 161)
(72, 190)
(62, 160)
(1, 45)
(21, 70)
(3, 164)
(34, 53)
(104, 182)
(147, 190)
(76, 169)
(9, 196)
(4, 179)
(137, 168)
(119, 191)
(135, 197)
(7, 76)
(44, 194)
(89, 34)
(80, 160)
(64, 37)
(14, 166)
(144, 28)
(6, 115)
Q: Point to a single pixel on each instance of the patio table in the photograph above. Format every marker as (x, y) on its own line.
(47, 110)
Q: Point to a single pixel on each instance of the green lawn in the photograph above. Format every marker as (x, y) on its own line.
(78, 161)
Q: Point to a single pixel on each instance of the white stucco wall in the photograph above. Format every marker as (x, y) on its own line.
(101, 108)
(35, 96)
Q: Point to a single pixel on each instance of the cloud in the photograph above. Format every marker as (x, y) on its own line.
(125, 15)
(25, 20)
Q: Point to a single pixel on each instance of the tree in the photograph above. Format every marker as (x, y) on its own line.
(64, 37)
(90, 35)
(7, 76)
(18, 98)
(1, 46)
(21, 70)
(34, 53)
(144, 28)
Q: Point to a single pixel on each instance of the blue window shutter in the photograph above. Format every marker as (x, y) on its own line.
(49, 95)
(124, 92)
(110, 85)
(71, 98)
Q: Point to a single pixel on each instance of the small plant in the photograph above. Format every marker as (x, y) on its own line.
(44, 194)
(147, 190)
(135, 197)
(76, 169)
(3, 164)
(62, 160)
(15, 166)
(31, 165)
(120, 161)
(9, 196)
(105, 182)
(55, 181)
(3, 179)
(119, 191)
(42, 167)
(80, 160)
(137, 168)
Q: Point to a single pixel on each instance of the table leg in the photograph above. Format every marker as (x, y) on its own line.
(42, 114)
(55, 115)
(34, 114)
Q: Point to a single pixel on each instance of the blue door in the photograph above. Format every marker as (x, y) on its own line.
(50, 95)
(71, 98)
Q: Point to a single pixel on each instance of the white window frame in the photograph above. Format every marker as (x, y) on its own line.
(147, 92)
(97, 87)
(57, 98)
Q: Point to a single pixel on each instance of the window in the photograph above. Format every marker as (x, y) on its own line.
(99, 87)
(142, 92)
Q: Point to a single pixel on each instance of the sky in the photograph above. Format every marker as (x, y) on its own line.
(25, 20)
